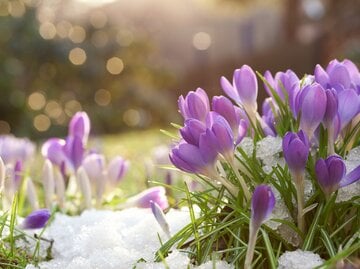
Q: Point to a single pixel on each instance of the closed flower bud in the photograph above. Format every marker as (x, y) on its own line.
(195, 105)
(296, 150)
(117, 169)
(37, 219)
(262, 204)
(48, 183)
(160, 218)
(80, 126)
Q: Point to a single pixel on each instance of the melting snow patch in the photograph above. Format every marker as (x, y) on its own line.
(120, 239)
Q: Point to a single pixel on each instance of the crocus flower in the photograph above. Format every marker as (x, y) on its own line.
(160, 218)
(349, 105)
(192, 130)
(80, 126)
(244, 89)
(37, 219)
(2, 174)
(84, 186)
(94, 165)
(311, 103)
(14, 149)
(195, 105)
(31, 194)
(155, 194)
(193, 159)
(48, 183)
(296, 150)
(331, 174)
(117, 169)
(262, 204)
(232, 115)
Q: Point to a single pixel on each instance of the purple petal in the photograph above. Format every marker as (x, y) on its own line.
(229, 90)
(74, 150)
(154, 194)
(270, 79)
(321, 76)
(117, 169)
(53, 149)
(37, 219)
(339, 75)
(348, 106)
(192, 130)
(262, 204)
(246, 85)
(350, 178)
(94, 165)
(80, 126)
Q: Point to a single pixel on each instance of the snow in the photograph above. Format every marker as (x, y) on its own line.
(299, 259)
(114, 239)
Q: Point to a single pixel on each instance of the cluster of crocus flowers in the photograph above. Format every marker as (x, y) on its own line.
(209, 136)
(68, 158)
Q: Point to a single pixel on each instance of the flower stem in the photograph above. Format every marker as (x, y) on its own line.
(242, 182)
(253, 231)
(229, 186)
(331, 147)
(299, 184)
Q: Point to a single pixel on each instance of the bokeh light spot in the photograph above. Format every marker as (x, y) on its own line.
(115, 65)
(201, 41)
(16, 8)
(47, 30)
(63, 29)
(42, 123)
(77, 56)
(77, 34)
(98, 19)
(53, 109)
(124, 38)
(132, 117)
(71, 107)
(102, 97)
(36, 100)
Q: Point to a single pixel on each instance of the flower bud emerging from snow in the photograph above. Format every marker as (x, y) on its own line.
(155, 194)
(160, 218)
(37, 219)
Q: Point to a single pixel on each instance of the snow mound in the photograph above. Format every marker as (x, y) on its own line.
(121, 239)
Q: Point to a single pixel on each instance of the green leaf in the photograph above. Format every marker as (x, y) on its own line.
(327, 242)
(269, 249)
(313, 229)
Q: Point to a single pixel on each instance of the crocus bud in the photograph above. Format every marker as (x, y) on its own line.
(312, 104)
(244, 89)
(331, 106)
(329, 173)
(117, 169)
(220, 135)
(232, 115)
(160, 218)
(31, 194)
(262, 204)
(74, 150)
(349, 103)
(84, 186)
(192, 159)
(296, 150)
(195, 105)
(48, 183)
(80, 126)
(59, 187)
(37, 219)
(192, 130)
(2, 175)
(155, 194)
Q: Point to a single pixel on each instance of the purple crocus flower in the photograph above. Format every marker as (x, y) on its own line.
(14, 149)
(192, 130)
(262, 204)
(195, 105)
(117, 169)
(349, 105)
(331, 174)
(244, 89)
(311, 103)
(232, 114)
(296, 151)
(94, 165)
(193, 159)
(80, 126)
(143, 200)
(37, 219)
(268, 118)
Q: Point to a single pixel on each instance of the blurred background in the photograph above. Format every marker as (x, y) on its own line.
(126, 62)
